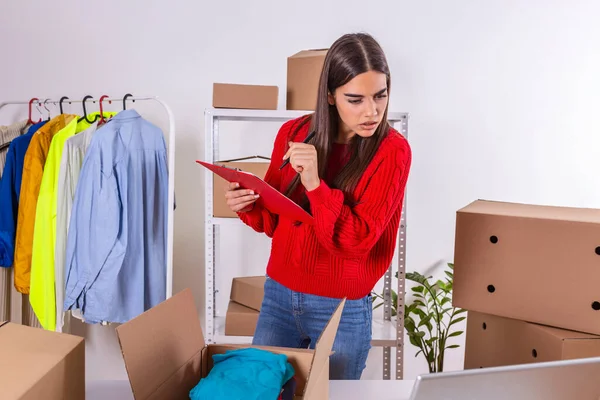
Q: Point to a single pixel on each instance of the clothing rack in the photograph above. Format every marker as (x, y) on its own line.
(171, 197)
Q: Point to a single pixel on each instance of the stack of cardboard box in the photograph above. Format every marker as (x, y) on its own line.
(529, 277)
(244, 305)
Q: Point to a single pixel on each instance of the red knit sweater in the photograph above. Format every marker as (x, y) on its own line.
(348, 249)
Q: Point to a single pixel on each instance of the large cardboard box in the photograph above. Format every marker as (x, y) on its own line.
(39, 364)
(248, 291)
(303, 74)
(231, 95)
(220, 208)
(166, 356)
(240, 320)
(534, 263)
(493, 341)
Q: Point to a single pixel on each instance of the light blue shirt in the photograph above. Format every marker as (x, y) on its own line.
(117, 238)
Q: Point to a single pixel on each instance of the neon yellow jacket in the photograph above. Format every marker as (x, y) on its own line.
(42, 294)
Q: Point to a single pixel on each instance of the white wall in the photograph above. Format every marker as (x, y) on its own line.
(503, 97)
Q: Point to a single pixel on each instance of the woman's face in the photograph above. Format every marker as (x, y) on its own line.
(360, 103)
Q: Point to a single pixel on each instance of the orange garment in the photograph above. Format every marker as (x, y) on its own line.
(33, 169)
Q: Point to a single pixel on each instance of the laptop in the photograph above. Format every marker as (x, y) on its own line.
(554, 380)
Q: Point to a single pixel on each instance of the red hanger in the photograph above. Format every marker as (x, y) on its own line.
(30, 121)
(102, 119)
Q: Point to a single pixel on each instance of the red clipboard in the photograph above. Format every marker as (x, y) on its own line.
(272, 199)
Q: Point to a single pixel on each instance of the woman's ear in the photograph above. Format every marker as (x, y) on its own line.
(330, 99)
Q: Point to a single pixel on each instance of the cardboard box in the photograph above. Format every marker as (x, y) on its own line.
(240, 320)
(230, 95)
(220, 208)
(534, 263)
(39, 364)
(166, 356)
(493, 341)
(303, 74)
(248, 291)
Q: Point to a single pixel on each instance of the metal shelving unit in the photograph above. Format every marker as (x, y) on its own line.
(386, 333)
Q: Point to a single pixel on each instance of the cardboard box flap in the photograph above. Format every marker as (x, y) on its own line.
(323, 348)
(162, 348)
(532, 211)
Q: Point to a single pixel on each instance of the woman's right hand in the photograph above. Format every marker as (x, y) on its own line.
(239, 200)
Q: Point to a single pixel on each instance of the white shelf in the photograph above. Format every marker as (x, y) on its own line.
(230, 114)
(384, 334)
(225, 221)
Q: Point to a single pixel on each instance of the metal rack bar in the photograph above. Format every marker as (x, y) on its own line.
(212, 118)
(171, 160)
(401, 277)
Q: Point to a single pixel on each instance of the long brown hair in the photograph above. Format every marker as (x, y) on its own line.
(349, 56)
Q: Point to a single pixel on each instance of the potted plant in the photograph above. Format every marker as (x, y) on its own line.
(430, 318)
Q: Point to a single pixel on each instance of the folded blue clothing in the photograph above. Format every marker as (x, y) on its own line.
(248, 374)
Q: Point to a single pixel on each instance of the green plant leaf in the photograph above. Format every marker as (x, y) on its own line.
(414, 341)
(445, 300)
(417, 289)
(420, 313)
(453, 346)
(430, 357)
(447, 310)
(409, 323)
(450, 275)
(457, 333)
(456, 321)
(430, 341)
(419, 303)
(425, 320)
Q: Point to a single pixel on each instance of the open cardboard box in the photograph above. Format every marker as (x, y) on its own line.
(166, 356)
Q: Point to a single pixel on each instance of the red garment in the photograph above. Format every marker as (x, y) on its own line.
(338, 158)
(348, 249)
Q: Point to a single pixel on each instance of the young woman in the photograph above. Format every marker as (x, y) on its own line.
(351, 177)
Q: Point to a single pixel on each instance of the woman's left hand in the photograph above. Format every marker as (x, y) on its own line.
(303, 158)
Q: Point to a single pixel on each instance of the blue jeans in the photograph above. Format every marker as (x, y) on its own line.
(292, 319)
